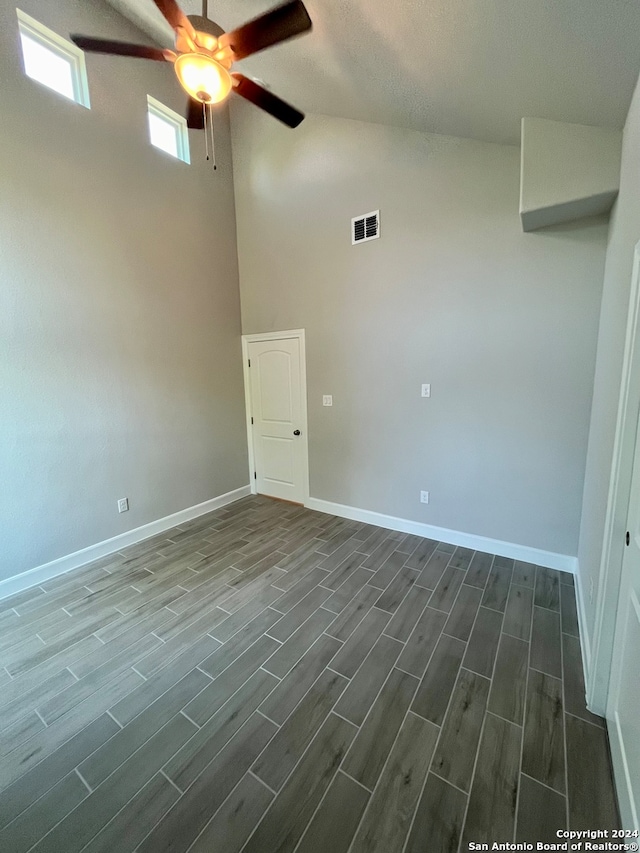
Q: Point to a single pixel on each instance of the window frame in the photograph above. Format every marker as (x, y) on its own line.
(61, 47)
(179, 123)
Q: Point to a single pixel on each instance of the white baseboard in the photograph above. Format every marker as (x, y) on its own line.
(40, 574)
(550, 560)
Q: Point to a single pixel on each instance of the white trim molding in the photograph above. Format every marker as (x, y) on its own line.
(548, 559)
(624, 771)
(43, 573)
(608, 581)
(585, 644)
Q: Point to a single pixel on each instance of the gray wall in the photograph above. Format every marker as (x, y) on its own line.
(119, 309)
(502, 324)
(623, 236)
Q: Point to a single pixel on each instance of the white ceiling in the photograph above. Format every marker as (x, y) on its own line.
(468, 68)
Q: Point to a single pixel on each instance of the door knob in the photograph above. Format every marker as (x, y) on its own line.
(296, 432)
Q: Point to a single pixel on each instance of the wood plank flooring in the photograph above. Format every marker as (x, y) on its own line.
(270, 679)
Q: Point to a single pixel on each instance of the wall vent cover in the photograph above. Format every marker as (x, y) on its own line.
(365, 227)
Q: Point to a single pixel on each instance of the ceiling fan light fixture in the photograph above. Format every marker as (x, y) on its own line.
(203, 78)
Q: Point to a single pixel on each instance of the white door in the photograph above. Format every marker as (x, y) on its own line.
(623, 709)
(278, 412)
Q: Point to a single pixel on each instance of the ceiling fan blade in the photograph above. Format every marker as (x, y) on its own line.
(282, 23)
(119, 48)
(267, 101)
(174, 15)
(195, 115)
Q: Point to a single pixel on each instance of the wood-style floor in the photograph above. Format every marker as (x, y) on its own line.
(268, 679)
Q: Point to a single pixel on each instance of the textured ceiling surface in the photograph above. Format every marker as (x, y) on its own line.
(470, 68)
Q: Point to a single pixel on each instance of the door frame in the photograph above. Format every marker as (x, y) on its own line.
(599, 667)
(277, 336)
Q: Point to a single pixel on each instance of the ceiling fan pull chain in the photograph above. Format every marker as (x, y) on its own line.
(213, 142)
(206, 138)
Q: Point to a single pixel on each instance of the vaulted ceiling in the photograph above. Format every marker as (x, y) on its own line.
(469, 68)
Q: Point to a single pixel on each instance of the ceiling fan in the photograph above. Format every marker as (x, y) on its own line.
(204, 55)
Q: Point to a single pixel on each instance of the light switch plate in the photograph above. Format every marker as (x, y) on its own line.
(327, 400)
(426, 390)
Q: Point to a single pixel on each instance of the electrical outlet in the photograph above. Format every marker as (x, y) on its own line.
(327, 400)
(123, 505)
(426, 390)
(424, 497)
